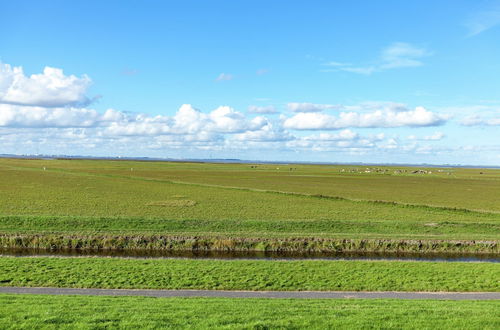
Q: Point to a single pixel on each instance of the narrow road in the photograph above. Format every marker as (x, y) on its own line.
(258, 294)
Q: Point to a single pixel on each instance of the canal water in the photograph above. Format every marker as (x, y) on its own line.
(263, 255)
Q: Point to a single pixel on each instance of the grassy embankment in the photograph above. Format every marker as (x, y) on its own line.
(28, 312)
(109, 204)
(249, 274)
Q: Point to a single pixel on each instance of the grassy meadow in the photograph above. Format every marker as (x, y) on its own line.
(28, 312)
(124, 198)
(254, 275)
(104, 204)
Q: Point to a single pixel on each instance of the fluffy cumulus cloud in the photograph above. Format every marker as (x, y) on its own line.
(52, 88)
(222, 129)
(379, 118)
(267, 133)
(51, 109)
(226, 120)
(30, 116)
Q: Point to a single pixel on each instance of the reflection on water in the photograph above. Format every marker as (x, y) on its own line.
(265, 255)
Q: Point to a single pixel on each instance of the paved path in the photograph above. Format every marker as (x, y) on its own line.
(257, 294)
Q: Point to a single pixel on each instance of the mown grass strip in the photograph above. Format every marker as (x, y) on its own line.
(82, 226)
(28, 312)
(249, 274)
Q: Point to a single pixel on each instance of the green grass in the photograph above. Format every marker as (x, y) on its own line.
(64, 193)
(166, 205)
(448, 187)
(81, 312)
(245, 228)
(234, 201)
(249, 274)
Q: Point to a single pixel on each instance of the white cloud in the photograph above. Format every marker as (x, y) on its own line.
(111, 115)
(49, 89)
(367, 70)
(396, 55)
(262, 109)
(402, 55)
(379, 118)
(224, 77)
(30, 116)
(261, 72)
(482, 21)
(344, 140)
(434, 137)
(227, 120)
(343, 135)
(337, 64)
(310, 107)
(187, 120)
(47, 112)
(478, 120)
(222, 129)
(139, 126)
(268, 133)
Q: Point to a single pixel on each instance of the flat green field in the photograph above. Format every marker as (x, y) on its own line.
(97, 204)
(252, 275)
(70, 312)
(242, 200)
(449, 187)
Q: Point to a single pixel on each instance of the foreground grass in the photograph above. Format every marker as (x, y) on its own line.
(30, 312)
(248, 274)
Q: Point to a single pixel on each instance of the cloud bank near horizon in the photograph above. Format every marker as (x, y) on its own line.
(53, 109)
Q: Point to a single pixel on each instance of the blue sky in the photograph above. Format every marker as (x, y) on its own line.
(371, 81)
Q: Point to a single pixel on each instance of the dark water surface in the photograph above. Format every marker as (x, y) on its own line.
(264, 255)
